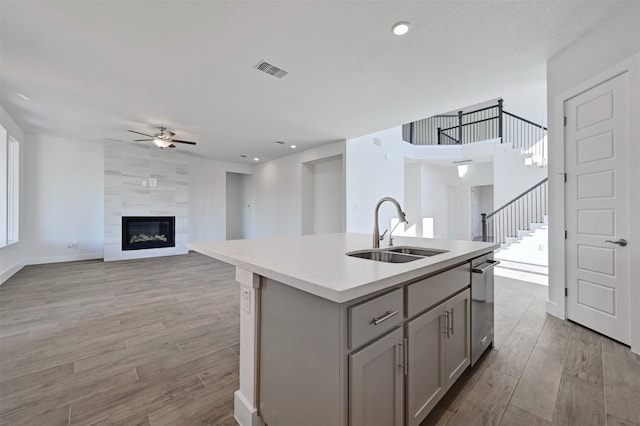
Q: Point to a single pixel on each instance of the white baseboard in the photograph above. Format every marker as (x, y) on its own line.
(64, 258)
(552, 309)
(10, 272)
(243, 412)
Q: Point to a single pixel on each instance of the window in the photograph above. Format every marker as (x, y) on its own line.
(9, 189)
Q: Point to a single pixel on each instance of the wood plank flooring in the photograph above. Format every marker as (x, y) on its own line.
(155, 342)
(543, 371)
(141, 342)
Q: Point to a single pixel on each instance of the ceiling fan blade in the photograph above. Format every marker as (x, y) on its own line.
(142, 140)
(179, 141)
(140, 133)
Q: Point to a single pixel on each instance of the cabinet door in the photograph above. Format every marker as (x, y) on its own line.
(426, 381)
(457, 349)
(376, 375)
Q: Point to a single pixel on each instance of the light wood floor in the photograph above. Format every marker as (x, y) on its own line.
(155, 342)
(140, 342)
(543, 371)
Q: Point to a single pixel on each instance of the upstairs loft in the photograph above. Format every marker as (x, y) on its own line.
(489, 123)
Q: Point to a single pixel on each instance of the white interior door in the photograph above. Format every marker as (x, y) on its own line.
(597, 208)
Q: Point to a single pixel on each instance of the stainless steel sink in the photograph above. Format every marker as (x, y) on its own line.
(396, 254)
(417, 251)
(383, 256)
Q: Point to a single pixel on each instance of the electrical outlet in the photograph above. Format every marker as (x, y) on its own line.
(246, 299)
(153, 182)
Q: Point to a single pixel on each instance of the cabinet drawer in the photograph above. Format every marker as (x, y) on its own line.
(425, 293)
(374, 317)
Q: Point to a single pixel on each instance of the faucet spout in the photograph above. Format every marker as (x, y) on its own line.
(376, 227)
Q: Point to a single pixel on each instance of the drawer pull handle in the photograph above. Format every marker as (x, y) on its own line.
(445, 318)
(384, 317)
(490, 264)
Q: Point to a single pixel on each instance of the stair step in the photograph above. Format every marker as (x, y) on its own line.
(536, 225)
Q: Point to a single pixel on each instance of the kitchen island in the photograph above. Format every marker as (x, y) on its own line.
(331, 339)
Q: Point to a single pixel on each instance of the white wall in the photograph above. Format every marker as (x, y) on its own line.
(375, 169)
(413, 197)
(435, 193)
(63, 199)
(529, 102)
(581, 64)
(328, 196)
(248, 206)
(512, 177)
(11, 257)
(239, 206)
(278, 191)
(207, 197)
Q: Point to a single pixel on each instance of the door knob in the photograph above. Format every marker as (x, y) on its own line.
(621, 242)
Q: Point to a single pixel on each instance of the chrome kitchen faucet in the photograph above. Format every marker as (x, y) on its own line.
(376, 227)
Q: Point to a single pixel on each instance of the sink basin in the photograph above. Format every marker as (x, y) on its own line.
(396, 254)
(416, 251)
(384, 256)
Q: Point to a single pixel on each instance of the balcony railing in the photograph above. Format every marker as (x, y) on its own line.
(492, 122)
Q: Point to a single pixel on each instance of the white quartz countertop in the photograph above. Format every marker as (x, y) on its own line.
(318, 265)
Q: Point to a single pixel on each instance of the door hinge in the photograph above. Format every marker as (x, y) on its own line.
(565, 234)
(565, 120)
(566, 292)
(565, 177)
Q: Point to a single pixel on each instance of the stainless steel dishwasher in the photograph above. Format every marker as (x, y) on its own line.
(481, 305)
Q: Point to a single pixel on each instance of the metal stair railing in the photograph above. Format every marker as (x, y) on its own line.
(482, 124)
(528, 207)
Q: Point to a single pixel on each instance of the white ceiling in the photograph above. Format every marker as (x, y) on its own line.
(93, 69)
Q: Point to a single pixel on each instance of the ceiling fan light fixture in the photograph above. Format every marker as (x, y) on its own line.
(161, 143)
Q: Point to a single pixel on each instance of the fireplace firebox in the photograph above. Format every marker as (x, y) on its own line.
(147, 232)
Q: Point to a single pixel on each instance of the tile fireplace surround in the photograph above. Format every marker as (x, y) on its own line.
(143, 180)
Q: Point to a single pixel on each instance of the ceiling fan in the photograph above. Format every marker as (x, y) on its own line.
(163, 139)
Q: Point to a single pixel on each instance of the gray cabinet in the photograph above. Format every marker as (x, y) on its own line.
(426, 382)
(458, 338)
(384, 359)
(376, 377)
(438, 353)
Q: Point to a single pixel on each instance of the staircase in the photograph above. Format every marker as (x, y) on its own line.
(520, 226)
(525, 257)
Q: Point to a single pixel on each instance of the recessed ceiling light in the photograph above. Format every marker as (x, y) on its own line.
(293, 146)
(400, 28)
(256, 159)
(23, 97)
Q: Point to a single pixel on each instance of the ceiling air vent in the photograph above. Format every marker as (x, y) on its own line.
(270, 69)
